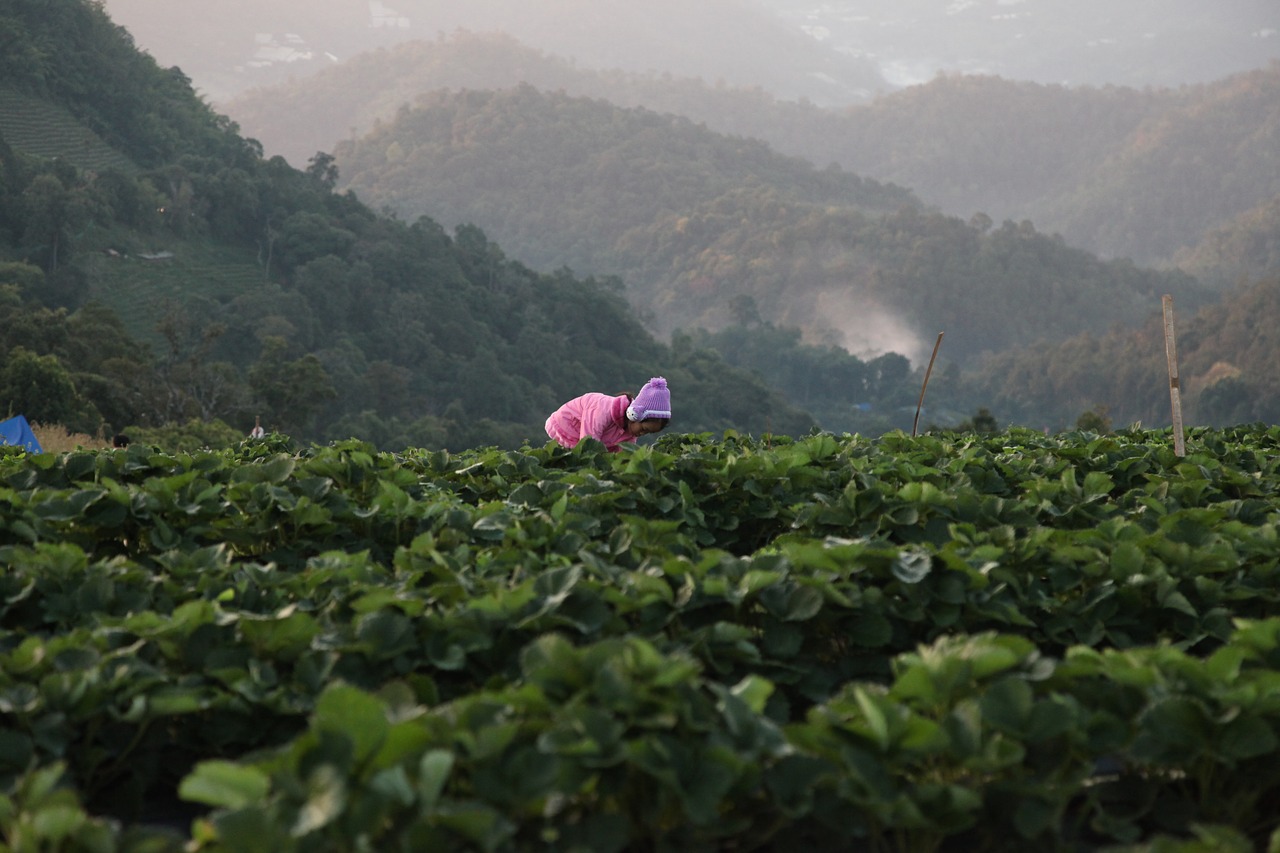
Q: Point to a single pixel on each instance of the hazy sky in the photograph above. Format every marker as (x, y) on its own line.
(829, 46)
(1128, 42)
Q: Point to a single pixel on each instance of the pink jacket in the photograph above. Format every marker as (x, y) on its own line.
(597, 415)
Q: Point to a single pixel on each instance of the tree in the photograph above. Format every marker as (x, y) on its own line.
(983, 422)
(1097, 419)
(1226, 402)
(54, 215)
(744, 310)
(290, 391)
(886, 374)
(980, 222)
(323, 169)
(195, 384)
(308, 236)
(27, 277)
(39, 387)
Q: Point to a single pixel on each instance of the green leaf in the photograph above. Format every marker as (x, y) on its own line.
(224, 784)
(252, 830)
(870, 629)
(1007, 704)
(781, 639)
(386, 633)
(326, 799)
(360, 716)
(172, 701)
(53, 823)
(1034, 816)
(793, 781)
(754, 691)
(875, 714)
(16, 749)
(705, 788)
(1097, 484)
(478, 823)
(598, 833)
(525, 495)
(280, 638)
(1127, 559)
(1052, 718)
(1244, 738)
(1224, 664)
(1173, 731)
(433, 773)
(276, 469)
(792, 602)
(393, 783)
(1175, 600)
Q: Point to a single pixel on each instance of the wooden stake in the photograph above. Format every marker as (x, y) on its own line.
(920, 404)
(1175, 392)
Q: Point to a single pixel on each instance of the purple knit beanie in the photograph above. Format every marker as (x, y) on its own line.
(653, 401)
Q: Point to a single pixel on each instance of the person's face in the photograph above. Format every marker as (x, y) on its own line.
(639, 428)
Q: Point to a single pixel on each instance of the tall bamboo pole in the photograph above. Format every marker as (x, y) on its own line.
(1175, 391)
(920, 403)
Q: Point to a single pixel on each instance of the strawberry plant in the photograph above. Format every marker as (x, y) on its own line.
(933, 643)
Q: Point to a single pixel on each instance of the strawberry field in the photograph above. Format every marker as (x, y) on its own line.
(944, 643)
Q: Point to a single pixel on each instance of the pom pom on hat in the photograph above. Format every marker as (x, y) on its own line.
(653, 401)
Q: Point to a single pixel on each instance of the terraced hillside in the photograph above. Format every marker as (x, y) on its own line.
(43, 129)
(141, 285)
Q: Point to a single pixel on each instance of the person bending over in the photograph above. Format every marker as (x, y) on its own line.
(612, 420)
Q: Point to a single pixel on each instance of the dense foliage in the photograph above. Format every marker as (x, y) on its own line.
(1181, 174)
(692, 219)
(1226, 354)
(843, 392)
(598, 171)
(942, 643)
(1241, 251)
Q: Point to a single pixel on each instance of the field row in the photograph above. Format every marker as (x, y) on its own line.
(935, 643)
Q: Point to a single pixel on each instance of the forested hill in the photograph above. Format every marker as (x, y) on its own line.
(695, 222)
(1244, 250)
(558, 179)
(1227, 350)
(246, 287)
(299, 117)
(1227, 354)
(1093, 164)
(1119, 172)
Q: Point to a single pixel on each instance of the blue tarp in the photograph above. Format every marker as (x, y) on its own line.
(17, 431)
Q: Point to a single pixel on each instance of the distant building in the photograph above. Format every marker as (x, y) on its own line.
(275, 49)
(384, 17)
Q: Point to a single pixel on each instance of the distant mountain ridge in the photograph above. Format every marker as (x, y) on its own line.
(693, 220)
(1091, 164)
(832, 52)
(229, 46)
